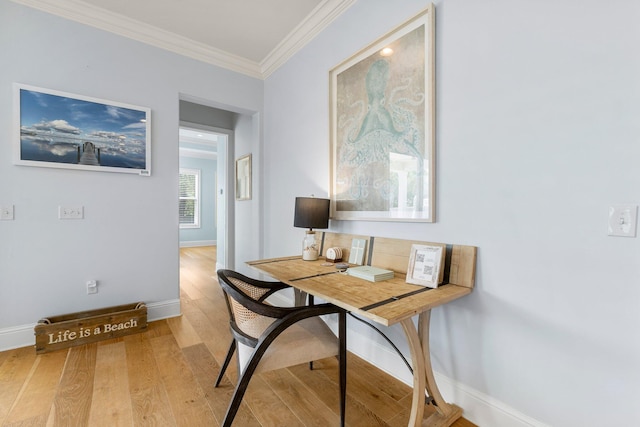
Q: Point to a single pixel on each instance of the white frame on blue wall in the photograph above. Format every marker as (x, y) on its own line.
(57, 129)
(382, 127)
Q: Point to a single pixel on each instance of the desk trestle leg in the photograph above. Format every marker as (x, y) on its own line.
(423, 379)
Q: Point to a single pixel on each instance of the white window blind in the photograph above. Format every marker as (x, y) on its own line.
(189, 206)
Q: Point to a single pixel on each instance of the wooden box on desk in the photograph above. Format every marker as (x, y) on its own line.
(68, 330)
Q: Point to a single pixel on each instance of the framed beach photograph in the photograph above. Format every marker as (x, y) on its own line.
(382, 127)
(63, 130)
(425, 265)
(243, 178)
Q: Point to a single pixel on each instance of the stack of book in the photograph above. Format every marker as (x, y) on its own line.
(372, 274)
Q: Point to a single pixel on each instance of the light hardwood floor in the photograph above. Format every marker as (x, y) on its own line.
(165, 376)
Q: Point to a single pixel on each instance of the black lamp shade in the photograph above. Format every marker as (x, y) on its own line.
(311, 213)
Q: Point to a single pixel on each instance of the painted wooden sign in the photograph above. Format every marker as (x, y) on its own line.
(58, 332)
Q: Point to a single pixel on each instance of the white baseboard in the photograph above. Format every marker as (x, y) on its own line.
(163, 310)
(482, 409)
(17, 336)
(197, 243)
(23, 335)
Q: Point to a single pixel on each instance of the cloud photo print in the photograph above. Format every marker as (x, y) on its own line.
(58, 129)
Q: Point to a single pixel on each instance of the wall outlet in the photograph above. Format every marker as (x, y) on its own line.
(65, 212)
(92, 287)
(622, 220)
(6, 213)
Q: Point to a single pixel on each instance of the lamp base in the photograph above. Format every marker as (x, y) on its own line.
(310, 255)
(309, 246)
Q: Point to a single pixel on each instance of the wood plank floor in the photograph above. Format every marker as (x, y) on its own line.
(164, 377)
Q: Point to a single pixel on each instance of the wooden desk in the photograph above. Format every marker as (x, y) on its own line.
(388, 302)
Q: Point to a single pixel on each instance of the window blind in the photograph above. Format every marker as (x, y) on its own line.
(189, 200)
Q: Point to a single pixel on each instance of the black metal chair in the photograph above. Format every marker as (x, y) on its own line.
(269, 337)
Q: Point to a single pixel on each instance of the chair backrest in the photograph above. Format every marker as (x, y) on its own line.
(250, 316)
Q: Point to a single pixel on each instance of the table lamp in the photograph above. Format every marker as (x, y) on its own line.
(311, 212)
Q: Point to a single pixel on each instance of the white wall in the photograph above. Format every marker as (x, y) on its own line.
(248, 242)
(128, 240)
(537, 134)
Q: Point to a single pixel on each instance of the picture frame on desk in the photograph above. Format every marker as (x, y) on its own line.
(425, 265)
(382, 127)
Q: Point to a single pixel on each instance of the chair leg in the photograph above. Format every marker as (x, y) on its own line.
(311, 302)
(342, 336)
(241, 387)
(232, 349)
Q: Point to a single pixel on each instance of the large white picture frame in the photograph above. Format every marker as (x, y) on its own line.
(62, 130)
(382, 127)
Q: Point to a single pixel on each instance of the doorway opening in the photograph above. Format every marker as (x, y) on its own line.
(204, 208)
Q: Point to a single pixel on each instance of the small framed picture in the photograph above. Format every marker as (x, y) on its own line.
(358, 248)
(425, 265)
(243, 178)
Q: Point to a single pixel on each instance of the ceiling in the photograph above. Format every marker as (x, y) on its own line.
(198, 143)
(253, 37)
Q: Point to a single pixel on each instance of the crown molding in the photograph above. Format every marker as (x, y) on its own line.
(105, 20)
(319, 19)
(302, 34)
(200, 154)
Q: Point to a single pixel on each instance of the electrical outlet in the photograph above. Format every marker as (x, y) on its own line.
(6, 213)
(622, 220)
(76, 212)
(92, 287)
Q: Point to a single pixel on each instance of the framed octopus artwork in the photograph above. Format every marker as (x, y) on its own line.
(382, 127)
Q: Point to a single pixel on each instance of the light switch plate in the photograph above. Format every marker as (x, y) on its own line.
(622, 220)
(66, 212)
(6, 213)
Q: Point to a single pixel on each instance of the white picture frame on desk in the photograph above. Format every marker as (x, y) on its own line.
(425, 265)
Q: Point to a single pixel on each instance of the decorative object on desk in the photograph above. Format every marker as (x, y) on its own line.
(372, 274)
(311, 212)
(424, 265)
(62, 130)
(342, 266)
(243, 178)
(358, 247)
(382, 127)
(334, 254)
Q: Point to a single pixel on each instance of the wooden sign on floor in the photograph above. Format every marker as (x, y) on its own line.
(68, 330)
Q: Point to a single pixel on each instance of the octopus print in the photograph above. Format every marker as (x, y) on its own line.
(380, 147)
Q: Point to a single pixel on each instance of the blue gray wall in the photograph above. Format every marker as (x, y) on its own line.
(129, 238)
(537, 133)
